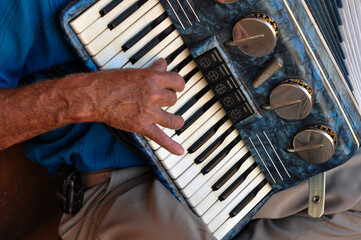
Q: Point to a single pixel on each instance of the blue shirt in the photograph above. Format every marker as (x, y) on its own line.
(31, 40)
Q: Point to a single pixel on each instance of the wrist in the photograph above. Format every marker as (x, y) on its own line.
(75, 93)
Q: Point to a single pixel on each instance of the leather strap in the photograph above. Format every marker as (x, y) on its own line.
(96, 178)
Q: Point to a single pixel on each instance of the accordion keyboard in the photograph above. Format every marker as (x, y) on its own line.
(267, 102)
(217, 175)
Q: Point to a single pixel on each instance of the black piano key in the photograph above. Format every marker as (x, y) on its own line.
(192, 101)
(174, 54)
(109, 7)
(247, 199)
(220, 156)
(151, 44)
(182, 64)
(118, 20)
(199, 143)
(209, 59)
(131, 42)
(196, 115)
(213, 146)
(190, 74)
(230, 172)
(237, 182)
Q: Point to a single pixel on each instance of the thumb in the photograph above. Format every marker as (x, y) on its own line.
(159, 65)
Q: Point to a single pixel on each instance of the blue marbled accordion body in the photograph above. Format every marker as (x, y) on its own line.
(305, 57)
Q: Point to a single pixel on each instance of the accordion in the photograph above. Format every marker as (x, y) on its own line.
(270, 98)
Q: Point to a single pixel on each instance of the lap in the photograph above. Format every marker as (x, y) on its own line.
(136, 206)
(133, 206)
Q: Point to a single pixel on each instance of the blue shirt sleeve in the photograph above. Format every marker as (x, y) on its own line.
(31, 40)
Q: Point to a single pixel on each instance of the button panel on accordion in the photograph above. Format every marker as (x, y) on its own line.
(262, 112)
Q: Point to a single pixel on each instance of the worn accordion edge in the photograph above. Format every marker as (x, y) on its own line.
(70, 12)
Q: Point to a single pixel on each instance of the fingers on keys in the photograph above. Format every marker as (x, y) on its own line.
(157, 135)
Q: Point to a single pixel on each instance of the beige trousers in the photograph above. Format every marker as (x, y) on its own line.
(133, 205)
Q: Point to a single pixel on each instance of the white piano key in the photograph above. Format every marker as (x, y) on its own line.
(215, 209)
(122, 58)
(212, 197)
(188, 95)
(176, 43)
(194, 169)
(169, 132)
(101, 24)
(154, 51)
(186, 69)
(144, 15)
(192, 110)
(87, 17)
(190, 83)
(153, 145)
(183, 55)
(201, 178)
(201, 120)
(186, 143)
(169, 162)
(172, 160)
(198, 105)
(206, 188)
(231, 222)
(109, 51)
(163, 153)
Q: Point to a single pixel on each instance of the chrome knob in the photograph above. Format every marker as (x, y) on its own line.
(256, 35)
(315, 144)
(291, 100)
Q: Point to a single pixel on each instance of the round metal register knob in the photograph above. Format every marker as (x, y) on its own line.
(315, 145)
(256, 35)
(291, 100)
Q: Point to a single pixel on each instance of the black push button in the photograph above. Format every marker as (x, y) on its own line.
(224, 87)
(240, 112)
(232, 100)
(209, 60)
(216, 74)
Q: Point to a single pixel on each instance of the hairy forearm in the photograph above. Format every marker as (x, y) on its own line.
(128, 99)
(28, 111)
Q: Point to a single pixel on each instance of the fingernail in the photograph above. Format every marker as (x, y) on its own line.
(180, 151)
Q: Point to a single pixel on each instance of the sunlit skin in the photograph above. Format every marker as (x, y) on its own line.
(129, 99)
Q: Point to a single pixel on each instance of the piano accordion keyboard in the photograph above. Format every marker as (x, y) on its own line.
(217, 175)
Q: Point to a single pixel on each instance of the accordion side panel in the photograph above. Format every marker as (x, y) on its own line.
(206, 26)
(341, 85)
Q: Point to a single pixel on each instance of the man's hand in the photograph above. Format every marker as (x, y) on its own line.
(131, 100)
(128, 99)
